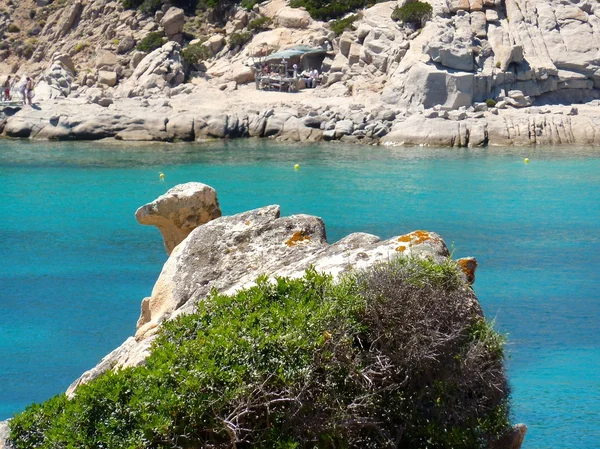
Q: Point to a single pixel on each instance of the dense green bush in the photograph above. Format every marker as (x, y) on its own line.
(249, 4)
(194, 53)
(330, 9)
(341, 25)
(150, 6)
(12, 28)
(260, 24)
(490, 102)
(392, 357)
(151, 42)
(239, 39)
(416, 13)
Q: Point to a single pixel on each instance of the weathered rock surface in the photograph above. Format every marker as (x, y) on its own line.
(173, 22)
(4, 435)
(179, 211)
(229, 253)
(293, 18)
(160, 69)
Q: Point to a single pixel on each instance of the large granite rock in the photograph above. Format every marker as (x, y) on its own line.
(229, 253)
(173, 22)
(179, 211)
(160, 69)
(292, 18)
(424, 85)
(57, 79)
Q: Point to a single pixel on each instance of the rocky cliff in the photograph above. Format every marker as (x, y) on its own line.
(478, 72)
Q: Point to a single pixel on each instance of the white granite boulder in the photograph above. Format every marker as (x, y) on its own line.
(160, 69)
(292, 18)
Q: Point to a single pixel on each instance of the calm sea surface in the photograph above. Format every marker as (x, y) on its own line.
(75, 265)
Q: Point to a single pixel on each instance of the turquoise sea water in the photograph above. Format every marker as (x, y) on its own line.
(75, 264)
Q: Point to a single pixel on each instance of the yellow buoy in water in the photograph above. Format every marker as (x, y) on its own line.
(296, 167)
(161, 176)
(526, 160)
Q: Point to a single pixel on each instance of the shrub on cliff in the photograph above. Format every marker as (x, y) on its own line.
(194, 53)
(330, 9)
(396, 356)
(151, 42)
(260, 24)
(416, 13)
(341, 25)
(239, 39)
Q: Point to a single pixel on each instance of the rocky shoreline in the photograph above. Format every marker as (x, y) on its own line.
(472, 76)
(170, 119)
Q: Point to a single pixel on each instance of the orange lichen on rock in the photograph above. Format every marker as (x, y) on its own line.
(416, 237)
(420, 236)
(401, 248)
(298, 237)
(468, 265)
(247, 222)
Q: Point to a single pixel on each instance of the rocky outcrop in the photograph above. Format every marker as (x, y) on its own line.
(173, 22)
(179, 211)
(57, 79)
(483, 50)
(229, 253)
(292, 18)
(160, 69)
(540, 126)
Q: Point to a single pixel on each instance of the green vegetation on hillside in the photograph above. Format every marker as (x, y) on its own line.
(151, 42)
(331, 9)
(318, 9)
(341, 25)
(415, 12)
(195, 53)
(390, 357)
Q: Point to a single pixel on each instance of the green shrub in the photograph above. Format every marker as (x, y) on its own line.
(150, 6)
(239, 39)
(81, 46)
(341, 25)
(330, 9)
(151, 42)
(416, 13)
(391, 357)
(249, 4)
(491, 103)
(195, 53)
(12, 28)
(131, 4)
(260, 24)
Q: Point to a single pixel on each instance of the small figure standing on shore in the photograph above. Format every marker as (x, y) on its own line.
(6, 89)
(27, 91)
(314, 75)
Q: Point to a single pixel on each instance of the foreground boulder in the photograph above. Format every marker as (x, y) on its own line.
(229, 253)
